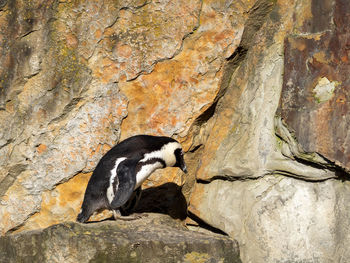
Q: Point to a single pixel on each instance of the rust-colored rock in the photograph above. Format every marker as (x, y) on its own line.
(177, 91)
(316, 87)
(78, 76)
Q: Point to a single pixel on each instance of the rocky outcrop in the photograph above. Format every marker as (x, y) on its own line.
(278, 218)
(273, 168)
(155, 238)
(256, 91)
(78, 76)
(316, 67)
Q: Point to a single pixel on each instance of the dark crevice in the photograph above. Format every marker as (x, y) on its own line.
(204, 225)
(228, 178)
(314, 164)
(27, 33)
(298, 177)
(14, 229)
(7, 143)
(207, 114)
(340, 172)
(238, 55)
(195, 148)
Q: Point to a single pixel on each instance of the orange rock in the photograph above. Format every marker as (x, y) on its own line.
(41, 148)
(61, 204)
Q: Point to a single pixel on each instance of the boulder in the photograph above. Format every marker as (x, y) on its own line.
(154, 238)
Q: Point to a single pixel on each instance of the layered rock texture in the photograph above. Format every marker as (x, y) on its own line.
(257, 91)
(155, 238)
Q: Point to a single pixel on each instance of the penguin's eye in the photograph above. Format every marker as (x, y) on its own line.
(178, 152)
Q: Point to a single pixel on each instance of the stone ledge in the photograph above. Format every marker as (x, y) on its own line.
(153, 238)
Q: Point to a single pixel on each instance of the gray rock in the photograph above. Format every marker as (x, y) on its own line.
(256, 181)
(154, 238)
(281, 219)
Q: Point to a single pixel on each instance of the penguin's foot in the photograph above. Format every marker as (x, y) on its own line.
(117, 216)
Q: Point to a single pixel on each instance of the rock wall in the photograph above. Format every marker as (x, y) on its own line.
(256, 91)
(76, 76)
(273, 171)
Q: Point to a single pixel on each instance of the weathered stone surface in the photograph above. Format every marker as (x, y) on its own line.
(61, 107)
(142, 34)
(316, 96)
(248, 155)
(152, 239)
(241, 139)
(51, 108)
(280, 219)
(78, 75)
(177, 91)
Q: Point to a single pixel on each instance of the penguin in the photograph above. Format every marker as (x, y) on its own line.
(124, 168)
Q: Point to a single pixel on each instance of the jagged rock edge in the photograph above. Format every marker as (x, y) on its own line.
(235, 59)
(232, 63)
(297, 154)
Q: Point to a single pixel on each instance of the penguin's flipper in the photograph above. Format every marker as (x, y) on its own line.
(127, 182)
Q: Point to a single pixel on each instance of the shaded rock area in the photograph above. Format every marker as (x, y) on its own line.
(316, 87)
(154, 238)
(166, 199)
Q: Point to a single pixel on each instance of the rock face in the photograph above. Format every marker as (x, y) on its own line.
(274, 159)
(280, 219)
(316, 67)
(156, 238)
(256, 91)
(77, 76)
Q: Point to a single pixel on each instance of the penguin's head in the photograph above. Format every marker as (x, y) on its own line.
(180, 162)
(174, 156)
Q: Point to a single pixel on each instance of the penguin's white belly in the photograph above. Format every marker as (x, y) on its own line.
(110, 192)
(145, 172)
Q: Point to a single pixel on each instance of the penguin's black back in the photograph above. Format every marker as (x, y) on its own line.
(138, 145)
(134, 147)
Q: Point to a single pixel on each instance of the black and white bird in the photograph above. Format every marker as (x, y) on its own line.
(124, 168)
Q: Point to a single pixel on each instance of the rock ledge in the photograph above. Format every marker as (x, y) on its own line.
(153, 238)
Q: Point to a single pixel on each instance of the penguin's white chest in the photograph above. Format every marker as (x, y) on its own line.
(113, 180)
(145, 171)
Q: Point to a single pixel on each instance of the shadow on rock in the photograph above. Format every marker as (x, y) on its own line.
(165, 199)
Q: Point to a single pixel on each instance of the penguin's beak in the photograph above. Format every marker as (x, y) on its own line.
(180, 161)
